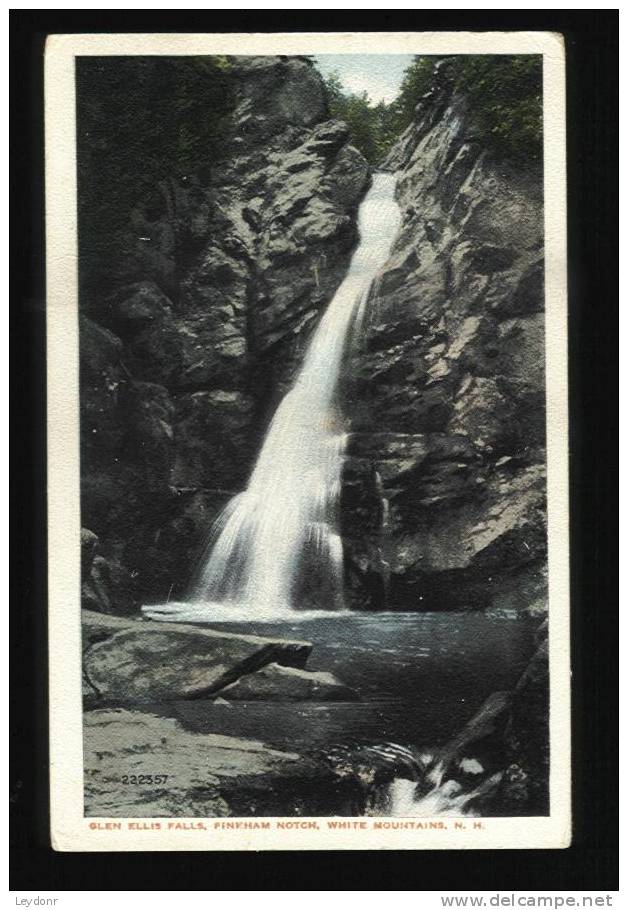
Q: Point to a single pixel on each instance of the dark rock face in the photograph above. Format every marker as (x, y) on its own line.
(182, 363)
(444, 501)
(527, 736)
(498, 763)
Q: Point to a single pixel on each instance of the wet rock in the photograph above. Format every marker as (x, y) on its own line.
(523, 592)
(176, 551)
(443, 526)
(135, 661)
(513, 795)
(276, 683)
(306, 231)
(376, 767)
(348, 178)
(462, 555)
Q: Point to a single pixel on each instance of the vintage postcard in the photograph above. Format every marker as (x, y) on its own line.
(308, 516)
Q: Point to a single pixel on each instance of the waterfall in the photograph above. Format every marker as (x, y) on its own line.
(276, 547)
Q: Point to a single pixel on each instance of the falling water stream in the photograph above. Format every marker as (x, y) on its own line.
(276, 546)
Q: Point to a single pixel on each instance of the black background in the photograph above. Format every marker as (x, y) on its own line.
(591, 39)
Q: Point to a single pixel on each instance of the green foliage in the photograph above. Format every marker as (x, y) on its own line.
(504, 95)
(375, 128)
(505, 101)
(141, 120)
(415, 83)
(359, 115)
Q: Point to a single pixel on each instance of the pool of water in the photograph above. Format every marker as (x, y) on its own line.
(419, 677)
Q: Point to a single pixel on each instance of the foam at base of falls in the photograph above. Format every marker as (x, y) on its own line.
(215, 612)
(276, 546)
(445, 799)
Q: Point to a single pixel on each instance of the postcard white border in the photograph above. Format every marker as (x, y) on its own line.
(70, 830)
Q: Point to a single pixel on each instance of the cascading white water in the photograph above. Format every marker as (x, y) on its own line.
(445, 798)
(284, 526)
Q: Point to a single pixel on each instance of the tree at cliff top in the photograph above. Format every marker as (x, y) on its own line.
(504, 96)
(360, 116)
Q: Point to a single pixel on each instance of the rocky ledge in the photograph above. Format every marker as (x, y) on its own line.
(175, 772)
(207, 775)
(135, 661)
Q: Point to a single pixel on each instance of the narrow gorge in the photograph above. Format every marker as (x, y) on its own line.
(203, 291)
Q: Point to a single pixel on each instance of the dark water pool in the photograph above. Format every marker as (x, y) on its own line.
(420, 677)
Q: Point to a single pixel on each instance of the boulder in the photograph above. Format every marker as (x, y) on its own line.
(139, 661)
(274, 682)
(137, 306)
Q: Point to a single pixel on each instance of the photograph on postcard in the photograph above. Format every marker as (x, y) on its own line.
(313, 436)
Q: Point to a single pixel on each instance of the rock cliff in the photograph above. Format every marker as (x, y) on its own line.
(444, 494)
(186, 350)
(215, 284)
